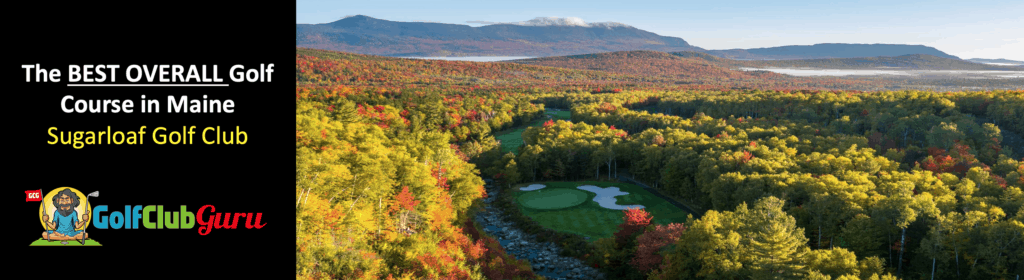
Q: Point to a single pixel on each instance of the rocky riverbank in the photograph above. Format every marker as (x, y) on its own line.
(542, 255)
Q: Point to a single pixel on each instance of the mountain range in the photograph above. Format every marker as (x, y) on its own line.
(998, 60)
(828, 51)
(543, 37)
(367, 35)
(907, 61)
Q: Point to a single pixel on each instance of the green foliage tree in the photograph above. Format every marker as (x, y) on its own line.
(776, 243)
(833, 262)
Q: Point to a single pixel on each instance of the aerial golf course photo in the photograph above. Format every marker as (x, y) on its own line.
(571, 206)
(588, 163)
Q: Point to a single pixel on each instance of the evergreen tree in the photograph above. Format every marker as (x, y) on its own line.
(777, 245)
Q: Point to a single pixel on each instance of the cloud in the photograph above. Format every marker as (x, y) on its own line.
(482, 22)
(555, 21)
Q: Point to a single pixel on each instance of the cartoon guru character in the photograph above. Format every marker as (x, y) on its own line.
(65, 218)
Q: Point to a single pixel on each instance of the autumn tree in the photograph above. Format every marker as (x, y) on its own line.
(651, 242)
(634, 221)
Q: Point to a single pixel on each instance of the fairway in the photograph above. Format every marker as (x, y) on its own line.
(589, 218)
(552, 199)
(558, 115)
(511, 139)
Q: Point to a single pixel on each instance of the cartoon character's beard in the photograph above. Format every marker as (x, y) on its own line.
(60, 208)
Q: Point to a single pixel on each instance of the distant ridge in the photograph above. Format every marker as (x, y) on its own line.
(693, 54)
(998, 60)
(910, 61)
(649, 64)
(538, 37)
(828, 51)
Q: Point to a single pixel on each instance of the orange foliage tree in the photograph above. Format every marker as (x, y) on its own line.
(636, 219)
(650, 242)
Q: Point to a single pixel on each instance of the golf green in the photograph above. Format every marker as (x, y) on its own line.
(589, 218)
(552, 199)
(43, 242)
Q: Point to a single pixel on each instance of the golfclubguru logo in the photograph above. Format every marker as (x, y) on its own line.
(69, 217)
(64, 214)
(207, 217)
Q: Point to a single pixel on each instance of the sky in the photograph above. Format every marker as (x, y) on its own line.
(967, 29)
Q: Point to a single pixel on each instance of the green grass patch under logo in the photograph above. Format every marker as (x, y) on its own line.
(43, 242)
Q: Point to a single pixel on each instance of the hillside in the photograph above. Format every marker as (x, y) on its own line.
(828, 51)
(700, 55)
(324, 67)
(644, 63)
(689, 68)
(367, 35)
(593, 72)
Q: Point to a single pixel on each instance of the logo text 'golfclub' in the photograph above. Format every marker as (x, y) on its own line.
(155, 217)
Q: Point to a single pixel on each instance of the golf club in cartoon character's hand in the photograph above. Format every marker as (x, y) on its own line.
(65, 218)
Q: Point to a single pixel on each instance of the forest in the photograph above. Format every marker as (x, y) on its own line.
(791, 180)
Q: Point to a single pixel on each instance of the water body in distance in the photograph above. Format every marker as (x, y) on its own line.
(871, 72)
(473, 58)
(827, 72)
(1002, 64)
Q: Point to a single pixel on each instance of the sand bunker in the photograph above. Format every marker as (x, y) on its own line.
(606, 197)
(532, 187)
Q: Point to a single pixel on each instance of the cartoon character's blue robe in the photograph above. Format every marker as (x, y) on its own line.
(65, 224)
